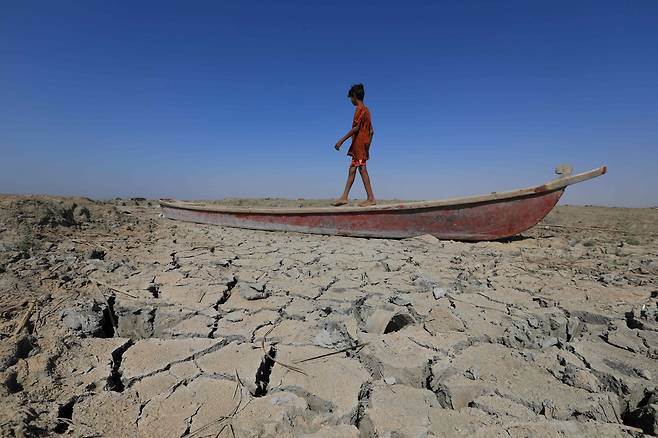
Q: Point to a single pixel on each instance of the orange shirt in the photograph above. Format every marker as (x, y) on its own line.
(360, 148)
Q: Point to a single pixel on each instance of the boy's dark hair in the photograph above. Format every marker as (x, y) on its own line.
(357, 91)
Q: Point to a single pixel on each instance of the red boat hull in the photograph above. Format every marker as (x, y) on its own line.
(490, 220)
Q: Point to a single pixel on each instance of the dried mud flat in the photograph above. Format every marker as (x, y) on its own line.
(116, 322)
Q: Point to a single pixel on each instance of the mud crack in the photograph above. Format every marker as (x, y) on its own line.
(264, 371)
(114, 382)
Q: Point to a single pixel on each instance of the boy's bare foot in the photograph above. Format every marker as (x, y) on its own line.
(367, 203)
(339, 202)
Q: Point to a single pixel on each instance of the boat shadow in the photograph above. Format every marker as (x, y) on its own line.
(512, 239)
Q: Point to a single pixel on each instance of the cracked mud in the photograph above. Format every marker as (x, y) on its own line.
(116, 322)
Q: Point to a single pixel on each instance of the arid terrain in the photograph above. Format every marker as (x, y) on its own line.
(116, 322)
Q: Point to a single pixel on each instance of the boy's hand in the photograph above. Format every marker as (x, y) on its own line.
(338, 145)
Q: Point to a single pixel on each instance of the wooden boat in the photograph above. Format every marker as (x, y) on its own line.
(473, 218)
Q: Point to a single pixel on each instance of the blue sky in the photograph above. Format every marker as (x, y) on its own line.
(214, 99)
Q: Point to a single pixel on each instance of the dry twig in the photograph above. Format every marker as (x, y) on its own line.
(267, 355)
(354, 347)
(16, 305)
(25, 319)
(523, 259)
(114, 288)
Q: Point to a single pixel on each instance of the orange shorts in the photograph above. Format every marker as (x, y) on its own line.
(357, 163)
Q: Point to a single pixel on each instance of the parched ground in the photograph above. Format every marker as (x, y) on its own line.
(116, 322)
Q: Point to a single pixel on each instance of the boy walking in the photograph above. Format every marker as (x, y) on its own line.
(361, 134)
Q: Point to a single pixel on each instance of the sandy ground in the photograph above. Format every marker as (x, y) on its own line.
(116, 322)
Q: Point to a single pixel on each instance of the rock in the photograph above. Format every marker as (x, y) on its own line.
(580, 378)
(441, 320)
(425, 238)
(439, 292)
(253, 291)
(541, 329)
(472, 373)
(387, 321)
(645, 374)
(136, 323)
(86, 319)
(574, 327)
(399, 300)
(549, 342)
(391, 265)
(235, 316)
(424, 283)
(467, 282)
(458, 393)
(333, 334)
(95, 254)
(498, 406)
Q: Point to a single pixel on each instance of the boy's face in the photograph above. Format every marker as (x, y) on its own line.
(353, 100)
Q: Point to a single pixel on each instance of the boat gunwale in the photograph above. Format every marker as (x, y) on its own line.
(551, 186)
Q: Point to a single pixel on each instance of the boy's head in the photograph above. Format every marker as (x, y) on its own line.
(356, 93)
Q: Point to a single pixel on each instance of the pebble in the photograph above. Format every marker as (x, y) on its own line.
(439, 292)
(645, 374)
(390, 380)
(472, 373)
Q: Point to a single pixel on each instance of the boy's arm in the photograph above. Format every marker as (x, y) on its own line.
(350, 133)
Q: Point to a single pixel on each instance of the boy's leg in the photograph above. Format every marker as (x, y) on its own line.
(351, 174)
(363, 170)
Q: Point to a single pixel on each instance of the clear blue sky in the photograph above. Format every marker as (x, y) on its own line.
(214, 99)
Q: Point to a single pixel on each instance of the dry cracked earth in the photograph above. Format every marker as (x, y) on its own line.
(117, 322)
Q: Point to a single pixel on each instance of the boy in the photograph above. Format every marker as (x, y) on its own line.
(361, 134)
